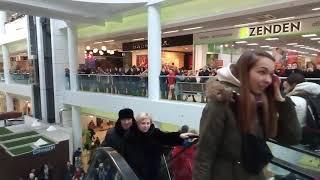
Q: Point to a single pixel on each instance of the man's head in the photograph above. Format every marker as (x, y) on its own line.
(126, 118)
(292, 81)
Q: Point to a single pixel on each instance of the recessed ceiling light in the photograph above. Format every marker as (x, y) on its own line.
(316, 9)
(280, 19)
(168, 32)
(247, 24)
(138, 39)
(253, 44)
(193, 28)
(87, 47)
(291, 44)
(221, 45)
(108, 41)
(314, 39)
(272, 39)
(226, 45)
(97, 42)
(309, 35)
(264, 46)
(241, 42)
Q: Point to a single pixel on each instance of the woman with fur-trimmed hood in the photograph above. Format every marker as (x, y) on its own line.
(244, 101)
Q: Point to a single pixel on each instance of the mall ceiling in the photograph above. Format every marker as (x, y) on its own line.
(297, 10)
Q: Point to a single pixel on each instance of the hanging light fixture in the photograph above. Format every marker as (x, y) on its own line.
(101, 52)
(87, 47)
(95, 50)
(103, 48)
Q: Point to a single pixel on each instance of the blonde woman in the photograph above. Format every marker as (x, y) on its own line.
(144, 145)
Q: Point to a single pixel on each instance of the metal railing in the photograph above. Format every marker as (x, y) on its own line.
(133, 85)
(21, 78)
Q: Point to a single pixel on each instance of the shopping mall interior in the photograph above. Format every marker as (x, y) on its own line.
(68, 67)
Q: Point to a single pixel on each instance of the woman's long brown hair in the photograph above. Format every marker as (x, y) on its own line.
(247, 103)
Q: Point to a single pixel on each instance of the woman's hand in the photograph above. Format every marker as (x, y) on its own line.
(276, 86)
(188, 135)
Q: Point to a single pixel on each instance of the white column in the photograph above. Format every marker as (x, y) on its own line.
(76, 127)
(200, 58)
(9, 103)
(154, 52)
(5, 50)
(73, 56)
(42, 78)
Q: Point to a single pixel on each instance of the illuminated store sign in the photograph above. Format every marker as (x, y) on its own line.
(273, 29)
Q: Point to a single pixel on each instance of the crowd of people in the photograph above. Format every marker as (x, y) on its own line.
(246, 106)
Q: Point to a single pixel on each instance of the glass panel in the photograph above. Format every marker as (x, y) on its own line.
(21, 78)
(1, 77)
(133, 85)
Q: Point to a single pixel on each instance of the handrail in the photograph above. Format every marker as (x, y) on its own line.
(108, 155)
(308, 174)
(296, 148)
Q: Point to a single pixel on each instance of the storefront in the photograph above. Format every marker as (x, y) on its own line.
(294, 42)
(176, 51)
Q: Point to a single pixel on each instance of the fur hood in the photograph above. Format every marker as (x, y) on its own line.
(221, 87)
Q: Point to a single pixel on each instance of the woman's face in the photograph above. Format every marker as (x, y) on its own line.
(260, 75)
(144, 125)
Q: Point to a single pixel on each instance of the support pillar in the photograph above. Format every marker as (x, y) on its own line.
(76, 127)
(73, 56)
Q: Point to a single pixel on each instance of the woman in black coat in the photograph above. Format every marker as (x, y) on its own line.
(144, 145)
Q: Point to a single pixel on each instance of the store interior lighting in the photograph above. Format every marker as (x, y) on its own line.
(272, 39)
(138, 39)
(292, 44)
(104, 48)
(169, 32)
(95, 50)
(314, 39)
(253, 44)
(246, 24)
(316, 9)
(309, 35)
(241, 42)
(97, 42)
(108, 41)
(87, 47)
(193, 28)
(280, 19)
(101, 52)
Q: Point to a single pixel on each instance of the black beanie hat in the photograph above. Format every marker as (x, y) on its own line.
(125, 113)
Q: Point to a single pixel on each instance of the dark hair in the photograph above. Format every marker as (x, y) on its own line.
(241, 70)
(295, 78)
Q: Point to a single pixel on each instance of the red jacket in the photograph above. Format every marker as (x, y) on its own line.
(182, 164)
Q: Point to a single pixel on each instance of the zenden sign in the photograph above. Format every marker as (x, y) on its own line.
(43, 149)
(272, 29)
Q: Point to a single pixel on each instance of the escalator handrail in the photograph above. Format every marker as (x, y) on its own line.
(308, 174)
(314, 154)
(117, 161)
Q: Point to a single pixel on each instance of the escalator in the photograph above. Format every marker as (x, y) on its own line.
(286, 164)
(110, 165)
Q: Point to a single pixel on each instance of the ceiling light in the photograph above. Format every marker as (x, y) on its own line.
(264, 46)
(299, 45)
(241, 42)
(111, 52)
(314, 39)
(95, 50)
(253, 44)
(193, 28)
(87, 47)
(138, 39)
(314, 54)
(97, 42)
(168, 32)
(232, 45)
(316, 9)
(101, 52)
(247, 24)
(272, 39)
(226, 45)
(280, 19)
(103, 48)
(91, 52)
(309, 35)
(221, 45)
(186, 48)
(85, 51)
(291, 44)
(210, 53)
(108, 41)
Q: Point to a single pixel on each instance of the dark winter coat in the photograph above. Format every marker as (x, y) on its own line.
(115, 137)
(219, 150)
(143, 150)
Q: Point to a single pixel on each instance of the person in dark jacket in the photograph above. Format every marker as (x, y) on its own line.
(114, 136)
(144, 146)
(244, 99)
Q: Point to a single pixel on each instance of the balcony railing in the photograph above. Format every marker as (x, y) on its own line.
(21, 78)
